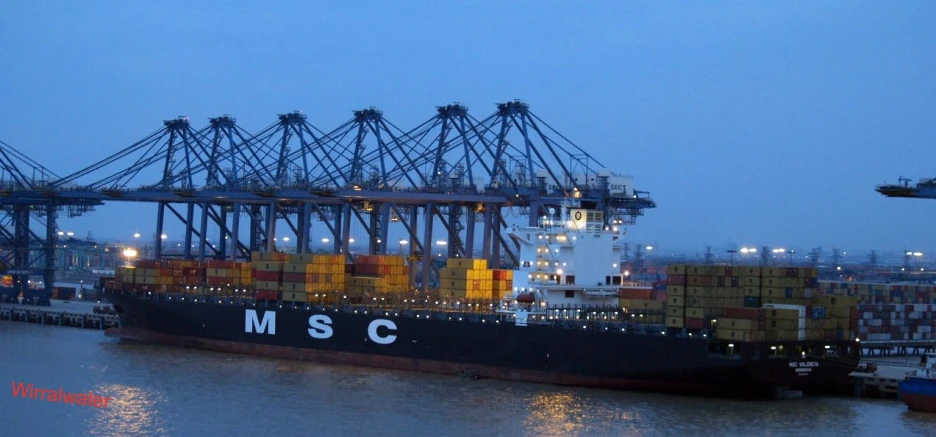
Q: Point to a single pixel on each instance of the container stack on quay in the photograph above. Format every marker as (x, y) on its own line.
(750, 304)
(378, 274)
(466, 278)
(890, 312)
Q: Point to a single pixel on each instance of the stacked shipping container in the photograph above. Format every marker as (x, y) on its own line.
(313, 277)
(465, 278)
(183, 276)
(889, 311)
(379, 274)
(746, 303)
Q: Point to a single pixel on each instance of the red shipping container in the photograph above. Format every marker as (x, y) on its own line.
(294, 277)
(694, 323)
(367, 269)
(267, 295)
(268, 276)
(660, 295)
(744, 313)
(636, 293)
(218, 281)
(148, 264)
(367, 260)
(676, 280)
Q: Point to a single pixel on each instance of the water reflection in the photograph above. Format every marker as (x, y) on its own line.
(132, 411)
(170, 391)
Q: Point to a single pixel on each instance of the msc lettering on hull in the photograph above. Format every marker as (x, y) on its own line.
(252, 324)
(320, 326)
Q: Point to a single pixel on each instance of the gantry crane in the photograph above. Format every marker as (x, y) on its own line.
(924, 189)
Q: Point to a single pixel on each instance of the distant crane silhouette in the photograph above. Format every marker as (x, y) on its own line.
(924, 189)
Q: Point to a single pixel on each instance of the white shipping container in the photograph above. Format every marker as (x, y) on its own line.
(916, 337)
(875, 322)
(862, 329)
(916, 315)
(925, 329)
(783, 306)
(867, 315)
(878, 337)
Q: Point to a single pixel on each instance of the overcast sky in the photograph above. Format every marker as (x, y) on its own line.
(750, 123)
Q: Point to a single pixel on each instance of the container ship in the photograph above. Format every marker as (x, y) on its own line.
(567, 314)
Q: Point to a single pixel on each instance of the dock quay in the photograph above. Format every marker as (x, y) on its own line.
(880, 378)
(60, 313)
(897, 347)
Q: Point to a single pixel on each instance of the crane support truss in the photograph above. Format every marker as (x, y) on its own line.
(452, 174)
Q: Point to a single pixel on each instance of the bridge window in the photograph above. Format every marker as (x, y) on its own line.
(570, 279)
(570, 294)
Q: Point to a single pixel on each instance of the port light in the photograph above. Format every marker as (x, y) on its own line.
(730, 344)
(828, 347)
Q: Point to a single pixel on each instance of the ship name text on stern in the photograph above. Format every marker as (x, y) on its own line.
(319, 326)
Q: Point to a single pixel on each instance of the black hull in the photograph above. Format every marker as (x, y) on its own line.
(545, 354)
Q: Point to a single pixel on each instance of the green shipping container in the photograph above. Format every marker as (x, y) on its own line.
(752, 302)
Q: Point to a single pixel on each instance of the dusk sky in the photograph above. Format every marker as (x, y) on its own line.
(750, 123)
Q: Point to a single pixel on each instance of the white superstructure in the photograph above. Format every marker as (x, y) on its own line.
(571, 258)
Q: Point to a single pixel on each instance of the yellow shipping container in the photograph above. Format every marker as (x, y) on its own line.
(467, 263)
(675, 301)
(696, 313)
(676, 290)
(268, 266)
(782, 314)
(448, 294)
(838, 312)
(300, 258)
(642, 304)
(294, 267)
(773, 292)
(147, 272)
(294, 296)
(675, 312)
(299, 287)
(739, 335)
(782, 324)
(782, 335)
(737, 324)
(675, 322)
(267, 285)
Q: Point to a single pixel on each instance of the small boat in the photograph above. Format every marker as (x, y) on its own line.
(918, 389)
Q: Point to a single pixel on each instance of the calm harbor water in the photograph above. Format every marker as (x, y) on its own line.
(166, 391)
